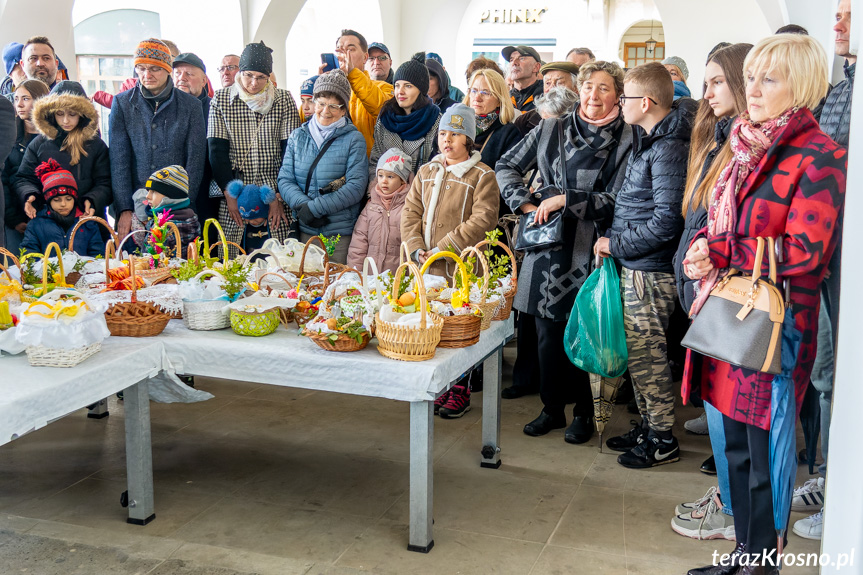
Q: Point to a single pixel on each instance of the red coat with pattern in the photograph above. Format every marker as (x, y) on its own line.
(797, 193)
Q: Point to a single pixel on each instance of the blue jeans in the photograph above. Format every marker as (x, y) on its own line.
(717, 442)
(822, 376)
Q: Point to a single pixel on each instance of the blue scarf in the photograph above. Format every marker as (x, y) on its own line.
(321, 134)
(412, 127)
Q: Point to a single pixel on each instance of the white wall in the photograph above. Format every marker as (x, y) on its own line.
(21, 19)
(208, 28)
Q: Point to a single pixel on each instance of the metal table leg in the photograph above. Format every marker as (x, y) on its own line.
(98, 410)
(421, 538)
(492, 370)
(139, 454)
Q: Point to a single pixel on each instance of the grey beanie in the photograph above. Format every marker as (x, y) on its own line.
(336, 82)
(460, 119)
(677, 61)
(397, 162)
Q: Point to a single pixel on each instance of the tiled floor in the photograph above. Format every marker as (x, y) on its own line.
(274, 480)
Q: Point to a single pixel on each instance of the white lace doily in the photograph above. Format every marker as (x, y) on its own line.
(164, 296)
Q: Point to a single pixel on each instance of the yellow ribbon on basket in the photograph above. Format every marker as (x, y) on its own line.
(62, 307)
(206, 255)
(463, 294)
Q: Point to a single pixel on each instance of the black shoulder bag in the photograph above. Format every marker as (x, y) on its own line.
(317, 159)
(532, 236)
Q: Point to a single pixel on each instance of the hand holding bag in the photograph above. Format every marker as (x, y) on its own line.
(741, 321)
(532, 236)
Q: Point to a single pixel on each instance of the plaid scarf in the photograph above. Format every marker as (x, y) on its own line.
(749, 144)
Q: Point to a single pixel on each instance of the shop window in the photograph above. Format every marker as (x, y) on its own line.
(105, 73)
(636, 53)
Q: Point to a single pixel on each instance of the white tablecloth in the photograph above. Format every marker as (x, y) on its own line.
(286, 358)
(32, 397)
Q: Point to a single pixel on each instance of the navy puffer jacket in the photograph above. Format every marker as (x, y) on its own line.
(647, 212)
(345, 158)
(43, 230)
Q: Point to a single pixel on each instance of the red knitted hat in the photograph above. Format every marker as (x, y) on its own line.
(56, 181)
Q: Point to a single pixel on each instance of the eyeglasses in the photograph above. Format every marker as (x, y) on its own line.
(381, 58)
(255, 77)
(333, 107)
(484, 93)
(221, 69)
(152, 70)
(623, 99)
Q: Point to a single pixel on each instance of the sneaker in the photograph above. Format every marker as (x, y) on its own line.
(810, 527)
(441, 401)
(457, 404)
(629, 439)
(685, 508)
(707, 522)
(809, 496)
(698, 426)
(651, 452)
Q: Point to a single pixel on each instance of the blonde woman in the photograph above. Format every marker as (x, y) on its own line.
(780, 176)
(496, 133)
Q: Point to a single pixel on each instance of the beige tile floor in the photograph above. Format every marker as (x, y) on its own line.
(264, 479)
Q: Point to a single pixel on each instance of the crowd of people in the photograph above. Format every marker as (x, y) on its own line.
(616, 163)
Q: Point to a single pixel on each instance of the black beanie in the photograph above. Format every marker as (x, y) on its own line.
(257, 58)
(415, 72)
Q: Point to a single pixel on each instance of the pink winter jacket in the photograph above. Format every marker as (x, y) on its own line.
(377, 233)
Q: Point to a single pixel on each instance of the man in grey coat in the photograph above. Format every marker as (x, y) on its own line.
(153, 126)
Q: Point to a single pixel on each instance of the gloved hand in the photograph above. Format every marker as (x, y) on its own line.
(307, 217)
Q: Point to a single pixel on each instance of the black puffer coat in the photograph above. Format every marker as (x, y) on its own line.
(14, 211)
(647, 216)
(696, 220)
(835, 117)
(493, 144)
(92, 173)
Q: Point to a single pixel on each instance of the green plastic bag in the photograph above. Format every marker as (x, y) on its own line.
(595, 340)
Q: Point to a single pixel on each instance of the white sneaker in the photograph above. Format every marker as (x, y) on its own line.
(708, 522)
(698, 425)
(685, 508)
(809, 497)
(810, 527)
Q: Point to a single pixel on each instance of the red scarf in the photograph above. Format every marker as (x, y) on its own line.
(749, 143)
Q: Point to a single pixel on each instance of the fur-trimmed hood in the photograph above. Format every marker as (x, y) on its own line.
(43, 114)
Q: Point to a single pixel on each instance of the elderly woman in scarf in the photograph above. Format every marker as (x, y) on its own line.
(597, 144)
(778, 176)
(248, 130)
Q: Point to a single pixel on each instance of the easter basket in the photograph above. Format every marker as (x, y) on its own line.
(254, 323)
(61, 329)
(33, 294)
(205, 314)
(488, 308)
(135, 318)
(506, 309)
(73, 277)
(458, 330)
(10, 288)
(407, 342)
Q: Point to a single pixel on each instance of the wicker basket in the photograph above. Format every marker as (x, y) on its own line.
(406, 343)
(135, 318)
(488, 309)
(343, 343)
(254, 323)
(41, 356)
(32, 295)
(286, 316)
(458, 330)
(10, 289)
(223, 241)
(328, 268)
(506, 309)
(99, 221)
(205, 315)
(304, 317)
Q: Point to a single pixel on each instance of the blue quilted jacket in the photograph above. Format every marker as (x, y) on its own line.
(43, 230)
(346, 157)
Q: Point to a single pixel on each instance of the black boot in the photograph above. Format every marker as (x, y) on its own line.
(729, 569)
(543, 424)
(580, 430)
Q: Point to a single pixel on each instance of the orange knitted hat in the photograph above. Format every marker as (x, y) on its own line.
(153, 52)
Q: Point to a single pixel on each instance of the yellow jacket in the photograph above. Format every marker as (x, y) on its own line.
(367, 97)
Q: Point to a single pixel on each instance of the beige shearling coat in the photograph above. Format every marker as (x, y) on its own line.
(450, 207)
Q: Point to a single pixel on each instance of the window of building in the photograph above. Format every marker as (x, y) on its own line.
(105, 73)
(636, 53)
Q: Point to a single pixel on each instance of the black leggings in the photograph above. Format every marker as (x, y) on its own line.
(559, 381)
